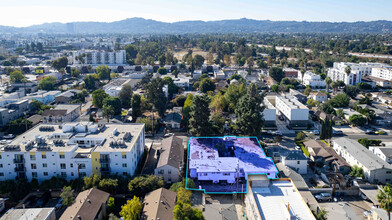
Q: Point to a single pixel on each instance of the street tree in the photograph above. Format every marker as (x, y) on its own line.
(98, 97)
(199, 122)
(125, 96)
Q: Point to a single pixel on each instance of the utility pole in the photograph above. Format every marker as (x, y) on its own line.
(334, 180)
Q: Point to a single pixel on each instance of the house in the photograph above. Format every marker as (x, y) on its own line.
(220, 75)
(114, 87)
(13, 111)
(375, 169)
(89, 204)
(320, 152)
(385, 153)
(66, 97)
(61, 113)
(313, 80)
(297, 161)
(318, 96)
(159, 204)
(173, 120)
(43, 96)
(32, 213)
(171, 160)
(298, 95)
(323, 116)
(196, 74)
(290, 73)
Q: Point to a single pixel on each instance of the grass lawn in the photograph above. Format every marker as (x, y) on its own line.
(303, 148)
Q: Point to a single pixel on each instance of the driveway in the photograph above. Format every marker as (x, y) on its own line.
(350, 208)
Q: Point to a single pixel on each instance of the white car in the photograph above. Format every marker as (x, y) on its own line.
(316, 132)
(323, 197)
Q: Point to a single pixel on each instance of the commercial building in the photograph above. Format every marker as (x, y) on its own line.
(73, 150)
(171, 160)
(338, 71)
(385, 153)
(33, 213)
(159, 204)
(89, 204)
(375, 169)
(275, 199)
(99, 57)
(61, 113)
(227, 160)
(313, 80)
(296, 113)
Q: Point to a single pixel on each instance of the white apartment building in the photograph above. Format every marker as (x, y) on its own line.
(382, 72)
(338, 71)
(93, 57)
(73, 150)
(375, 169)
(296, 113)
(385, 153)
(269, 113)
(313, 80)
(318, 96)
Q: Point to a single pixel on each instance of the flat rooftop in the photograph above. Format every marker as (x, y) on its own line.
(280, 200)
(34, 213)
(291, 102)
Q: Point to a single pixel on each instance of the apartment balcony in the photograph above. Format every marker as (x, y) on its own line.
(20, 169)
(104, 160)
(105, 169)
(19, 160)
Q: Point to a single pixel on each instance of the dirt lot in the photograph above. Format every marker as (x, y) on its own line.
(180, 54)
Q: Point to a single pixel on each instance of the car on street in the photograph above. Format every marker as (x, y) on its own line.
(323, 197)
(367, 213)
(368, 131)
(337, 132)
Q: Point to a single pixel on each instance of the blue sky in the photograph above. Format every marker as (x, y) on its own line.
(29, 12)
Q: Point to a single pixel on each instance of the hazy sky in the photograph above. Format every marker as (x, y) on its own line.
(28, 12)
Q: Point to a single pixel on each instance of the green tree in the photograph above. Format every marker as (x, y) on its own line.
(184, 211)
(19, 126)
(308, 90)
(219, 103)
(156, 96)
(148, 123)
(17, 77)
(125, 96)
(108, 112)
(60, 63)
(328, 82)
(98, 97)
(352, 91)
(340, 101)
(357, 120)
(326, 130)
(91, 81)
(186, 110)
(321, 215)
(162, 60)
(111, 205)
(67, 196)
(334, 86)
(198, 61)
(275, 88)
(75, 72)
(233, 95)
(199, 123)
(47, 83)
(340, 113)
(162, 71)
(276, 73)
(131, 210)
(131, 51)
(108, 185)
(91, 181)
(312, 102)
(136, 107)
(206, 85)
(184, 196)
(141, 185)
(384, 197)
(113, 102)
(103, 72)
(249, 112)
(218, 123)
(300, 136)
(356, 171)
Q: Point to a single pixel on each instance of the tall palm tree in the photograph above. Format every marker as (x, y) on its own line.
(384, 197)
(328, 82)
(348, 71)
(334, 86)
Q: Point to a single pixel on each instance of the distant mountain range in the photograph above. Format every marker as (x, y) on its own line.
(148, 26)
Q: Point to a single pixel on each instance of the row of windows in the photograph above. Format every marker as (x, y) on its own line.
(62, 165)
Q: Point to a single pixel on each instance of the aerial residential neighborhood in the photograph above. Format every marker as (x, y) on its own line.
(185, 110)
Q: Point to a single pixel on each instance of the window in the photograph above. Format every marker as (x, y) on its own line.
(1, 174)
(63, 174)
(45, 173)
(62, 156)
(71, 165)
(169, 172)
(43, 156)
(124, 165)
(63, 166)
(82, 174)
(125, 173)
(226, 174)
(34, 174)
(389, 172)
(82, 166)
(298, 162)
(44, 165)
(33, 166)
(161, 172)
(32, 157)
(124, 156)
(72, 174)
(1, 165)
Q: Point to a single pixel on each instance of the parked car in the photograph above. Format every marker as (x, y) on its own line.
(368, 131)
(335, 132)
(316, 132)
(367, 213)
(9, 136)
(323, 197)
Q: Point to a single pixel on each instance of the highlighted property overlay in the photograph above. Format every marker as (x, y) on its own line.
(222, 164)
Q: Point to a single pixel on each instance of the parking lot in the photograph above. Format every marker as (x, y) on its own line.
(348, 207)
